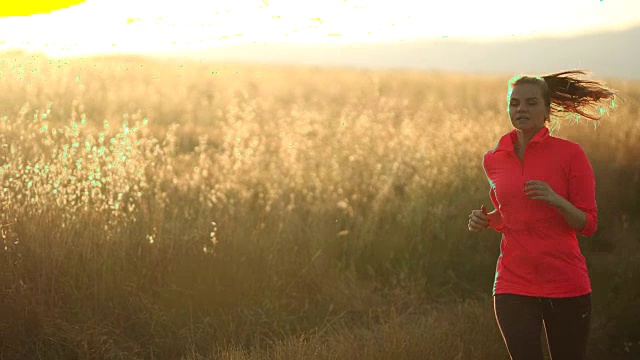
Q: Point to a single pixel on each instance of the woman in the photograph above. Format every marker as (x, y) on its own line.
(543, 191)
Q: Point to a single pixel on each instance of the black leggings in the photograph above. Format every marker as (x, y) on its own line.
(566, 324)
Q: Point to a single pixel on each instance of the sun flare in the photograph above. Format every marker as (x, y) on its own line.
(147, 26)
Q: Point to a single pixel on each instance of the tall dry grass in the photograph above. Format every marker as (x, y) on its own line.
(163, 210)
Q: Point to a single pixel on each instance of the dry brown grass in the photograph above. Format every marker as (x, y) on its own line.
(157, 210)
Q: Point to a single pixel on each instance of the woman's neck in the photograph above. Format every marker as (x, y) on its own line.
(525, 136)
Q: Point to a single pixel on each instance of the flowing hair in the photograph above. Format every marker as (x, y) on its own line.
(567, 96)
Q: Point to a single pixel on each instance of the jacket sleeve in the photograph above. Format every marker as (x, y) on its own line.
(582, 190)
(494, 200)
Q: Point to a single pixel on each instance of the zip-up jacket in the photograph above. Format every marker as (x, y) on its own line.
(539, 252)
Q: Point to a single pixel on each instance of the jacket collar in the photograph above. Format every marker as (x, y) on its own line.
(507, 140)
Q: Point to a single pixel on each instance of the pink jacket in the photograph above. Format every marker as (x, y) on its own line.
(539, 253)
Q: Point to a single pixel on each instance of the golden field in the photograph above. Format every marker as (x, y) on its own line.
(165, 210)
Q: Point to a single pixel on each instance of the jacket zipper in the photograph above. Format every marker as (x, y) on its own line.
(525, 203)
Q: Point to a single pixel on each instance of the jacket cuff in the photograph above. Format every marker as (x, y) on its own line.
(590, 226)
(495, 222)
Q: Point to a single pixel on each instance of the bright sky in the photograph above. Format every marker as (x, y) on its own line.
(150, 25)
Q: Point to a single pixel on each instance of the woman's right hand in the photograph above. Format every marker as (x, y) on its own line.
(478, 220)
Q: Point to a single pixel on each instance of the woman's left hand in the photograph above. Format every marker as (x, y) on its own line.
(540, 190)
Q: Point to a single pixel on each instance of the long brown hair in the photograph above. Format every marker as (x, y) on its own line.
(567, 96)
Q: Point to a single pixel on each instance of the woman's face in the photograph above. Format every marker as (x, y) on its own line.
(527, 110)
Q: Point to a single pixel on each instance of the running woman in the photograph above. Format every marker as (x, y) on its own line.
(543, 191)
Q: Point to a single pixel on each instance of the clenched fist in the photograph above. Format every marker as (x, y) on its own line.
(478, 220)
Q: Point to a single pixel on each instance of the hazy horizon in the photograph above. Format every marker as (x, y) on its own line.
(142, 26)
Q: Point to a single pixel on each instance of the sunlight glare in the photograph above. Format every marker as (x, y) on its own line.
(146, 26)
